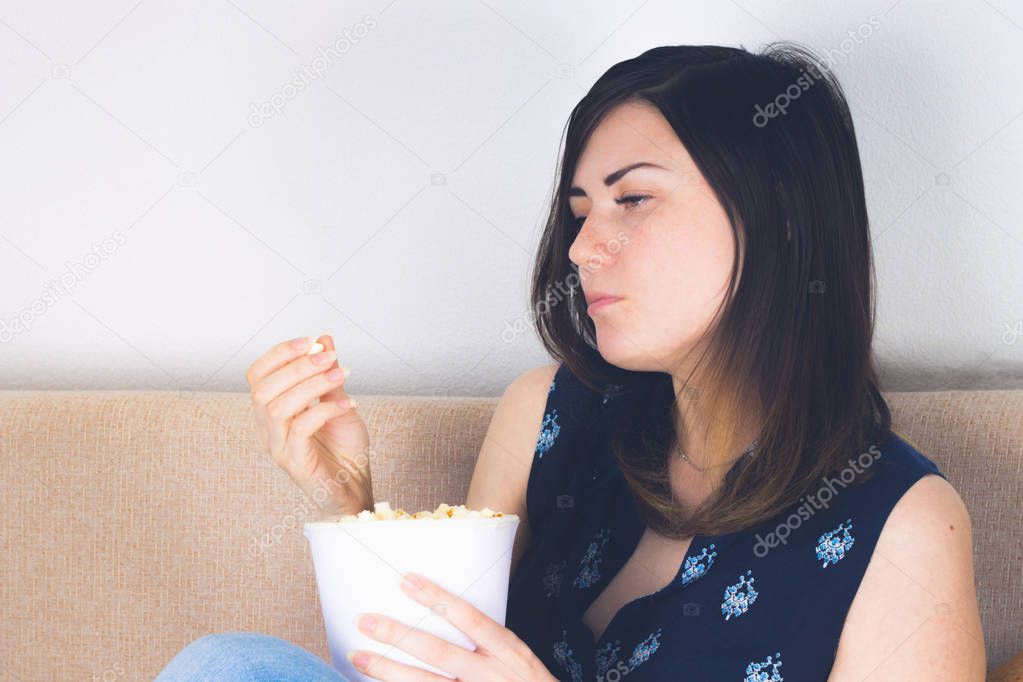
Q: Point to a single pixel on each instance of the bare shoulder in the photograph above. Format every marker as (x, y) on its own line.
(533, 383)
(518, 416)
(506, 456)
(915, 614)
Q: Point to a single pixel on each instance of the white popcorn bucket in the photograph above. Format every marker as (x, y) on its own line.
(359, 565)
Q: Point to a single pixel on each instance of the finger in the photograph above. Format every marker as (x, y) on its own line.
(328, 343)
(273, 385)
(277, 357)
(312, 420)
(281, 411)
(429, 648)
(382, 668)
(292, 401)
(484, 631)
(298, 369)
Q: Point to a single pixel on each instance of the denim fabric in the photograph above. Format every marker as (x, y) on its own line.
(248, 657)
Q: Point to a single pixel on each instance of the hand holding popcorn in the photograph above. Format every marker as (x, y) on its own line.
(310, 426)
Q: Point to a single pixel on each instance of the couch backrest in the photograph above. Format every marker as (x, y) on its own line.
(136, 521)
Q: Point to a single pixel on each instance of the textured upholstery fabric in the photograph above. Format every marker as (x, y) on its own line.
(1009, 671)
(136, 521)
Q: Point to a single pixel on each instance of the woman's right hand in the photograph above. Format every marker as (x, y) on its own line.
(323, 447)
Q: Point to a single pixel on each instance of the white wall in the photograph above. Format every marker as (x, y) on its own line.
(130, 124)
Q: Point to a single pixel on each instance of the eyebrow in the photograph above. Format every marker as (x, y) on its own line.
(575, 191)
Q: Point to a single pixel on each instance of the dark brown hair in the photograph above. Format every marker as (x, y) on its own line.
(773, 137)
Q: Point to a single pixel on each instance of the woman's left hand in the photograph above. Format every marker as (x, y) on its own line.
(499, 654)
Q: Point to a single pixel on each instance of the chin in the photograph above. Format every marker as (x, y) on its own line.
(622, 349)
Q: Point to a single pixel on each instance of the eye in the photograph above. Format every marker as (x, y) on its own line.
(632, 200)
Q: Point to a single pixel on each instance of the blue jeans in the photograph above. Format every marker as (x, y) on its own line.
(248, 657)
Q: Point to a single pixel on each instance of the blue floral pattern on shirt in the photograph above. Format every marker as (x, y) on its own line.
(552, 578)
(832, 548)
(549, 431)
(764, 671)
(739, 597)
(563, 655)
(645, 649)
(589, 572)
(697, 566)
(607, 656)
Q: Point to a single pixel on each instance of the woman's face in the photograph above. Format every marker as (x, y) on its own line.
(667, 255)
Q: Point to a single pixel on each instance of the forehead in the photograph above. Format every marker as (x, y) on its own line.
(630, 132)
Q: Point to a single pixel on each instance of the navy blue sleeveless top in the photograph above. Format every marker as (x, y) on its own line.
(765, 604)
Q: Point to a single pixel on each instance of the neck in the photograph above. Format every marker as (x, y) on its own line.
(693, 427)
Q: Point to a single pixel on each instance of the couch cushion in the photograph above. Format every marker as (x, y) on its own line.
(136, 521)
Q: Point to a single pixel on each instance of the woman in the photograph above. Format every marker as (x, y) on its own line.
(708, 481)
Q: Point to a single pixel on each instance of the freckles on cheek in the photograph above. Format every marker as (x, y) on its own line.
(677, 292)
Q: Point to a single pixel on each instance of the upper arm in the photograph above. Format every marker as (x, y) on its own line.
(915, 615)
(506, 456)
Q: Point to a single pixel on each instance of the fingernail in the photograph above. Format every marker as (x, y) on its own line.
(315, 348)
(411, 582)
(324, 358)
(347, 371)
(334, 374)
(367, 623)
(358, 659)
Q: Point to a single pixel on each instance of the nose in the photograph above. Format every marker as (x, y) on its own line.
(590, 250)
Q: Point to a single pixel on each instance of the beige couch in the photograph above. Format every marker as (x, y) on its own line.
(135, 521)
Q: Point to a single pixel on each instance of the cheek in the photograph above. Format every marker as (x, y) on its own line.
(686, 262)
(682, 271)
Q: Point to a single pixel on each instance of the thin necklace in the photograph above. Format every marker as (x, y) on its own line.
(684, 456)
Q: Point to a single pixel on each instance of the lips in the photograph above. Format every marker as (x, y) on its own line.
(595, 296)
(601, 302)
